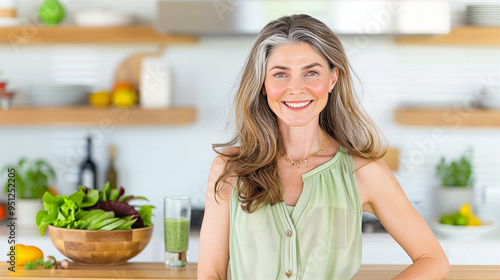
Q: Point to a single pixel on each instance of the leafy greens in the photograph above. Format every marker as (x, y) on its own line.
(106, 209)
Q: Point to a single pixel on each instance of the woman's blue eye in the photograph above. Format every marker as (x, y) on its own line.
(280, 75)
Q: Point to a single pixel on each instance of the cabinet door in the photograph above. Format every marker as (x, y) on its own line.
(383, 251)
(474, 253)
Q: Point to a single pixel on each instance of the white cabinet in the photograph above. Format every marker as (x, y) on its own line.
(473, 253)
(380, 248)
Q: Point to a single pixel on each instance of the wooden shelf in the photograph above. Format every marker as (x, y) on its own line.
(464, 35)
(105, 117)
(453, 117)
(67, 34)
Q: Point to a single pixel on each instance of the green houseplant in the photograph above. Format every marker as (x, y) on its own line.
(456, 179)
(458, 173)
(32, 180)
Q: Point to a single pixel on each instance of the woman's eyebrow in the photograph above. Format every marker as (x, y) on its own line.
(303, 68)
(311, 65)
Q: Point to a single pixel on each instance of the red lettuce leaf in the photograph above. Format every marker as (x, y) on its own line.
(121, 209)
(122, 191)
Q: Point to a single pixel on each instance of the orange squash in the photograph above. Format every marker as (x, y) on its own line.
(25, 254)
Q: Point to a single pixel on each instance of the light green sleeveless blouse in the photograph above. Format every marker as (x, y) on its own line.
(318, 239)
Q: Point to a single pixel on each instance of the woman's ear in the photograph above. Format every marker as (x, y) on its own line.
(333, 78)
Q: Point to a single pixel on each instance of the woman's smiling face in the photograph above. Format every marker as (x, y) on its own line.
(297, 83)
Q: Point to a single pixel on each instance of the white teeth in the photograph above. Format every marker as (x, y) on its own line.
(298, 105)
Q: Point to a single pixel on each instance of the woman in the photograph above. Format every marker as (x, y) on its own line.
(285, 198)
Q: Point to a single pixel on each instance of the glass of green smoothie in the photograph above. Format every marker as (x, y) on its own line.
(177, 214)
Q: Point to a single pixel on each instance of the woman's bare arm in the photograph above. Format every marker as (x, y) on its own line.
(214, 236)
(382, 196)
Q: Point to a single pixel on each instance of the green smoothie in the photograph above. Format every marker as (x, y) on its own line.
(176, 235)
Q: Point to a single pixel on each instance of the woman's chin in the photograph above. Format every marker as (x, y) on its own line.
(297, 122)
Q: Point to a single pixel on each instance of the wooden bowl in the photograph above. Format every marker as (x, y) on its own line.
(98, 246)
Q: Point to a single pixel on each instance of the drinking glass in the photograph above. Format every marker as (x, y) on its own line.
(177, 215)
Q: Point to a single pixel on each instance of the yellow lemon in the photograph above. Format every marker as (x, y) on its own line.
(465, 210)
(473, 221)
(100, 99)
(124, 97)
(24, 254)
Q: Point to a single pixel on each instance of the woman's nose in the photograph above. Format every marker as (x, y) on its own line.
(296, 86)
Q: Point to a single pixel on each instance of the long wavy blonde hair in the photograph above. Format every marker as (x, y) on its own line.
(254, 164)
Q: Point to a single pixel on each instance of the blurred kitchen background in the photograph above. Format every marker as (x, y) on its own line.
(160, 160)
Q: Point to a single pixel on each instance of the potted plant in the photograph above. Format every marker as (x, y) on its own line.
(32, 180)
(456, 179)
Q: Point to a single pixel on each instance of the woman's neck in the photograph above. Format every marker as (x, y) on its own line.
(300, 142)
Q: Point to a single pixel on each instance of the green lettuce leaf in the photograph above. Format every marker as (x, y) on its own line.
(146, 211)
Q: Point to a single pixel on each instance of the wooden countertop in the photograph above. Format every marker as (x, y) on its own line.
(148, 271)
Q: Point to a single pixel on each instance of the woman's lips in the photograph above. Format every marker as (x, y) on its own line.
(297, 105)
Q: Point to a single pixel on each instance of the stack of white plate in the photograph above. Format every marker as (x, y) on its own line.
(483, 14)
(57, 95)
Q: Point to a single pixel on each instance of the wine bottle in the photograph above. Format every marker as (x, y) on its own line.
(88, 174)
(111, 173)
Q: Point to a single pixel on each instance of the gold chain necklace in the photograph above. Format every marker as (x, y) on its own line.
(308, 157)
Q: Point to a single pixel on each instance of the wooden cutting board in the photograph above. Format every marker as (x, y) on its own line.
(129, 69)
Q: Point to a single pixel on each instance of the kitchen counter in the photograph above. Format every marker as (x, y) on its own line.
(149, 271)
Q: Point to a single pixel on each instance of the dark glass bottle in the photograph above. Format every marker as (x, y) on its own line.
(88, 175)
(111, 173)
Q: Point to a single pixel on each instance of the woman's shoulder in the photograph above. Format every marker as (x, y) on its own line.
(219, 168)
(363, 166)
(373, 177)
(222, 157)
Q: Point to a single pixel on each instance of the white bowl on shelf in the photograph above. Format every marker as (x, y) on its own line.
(102, 18)
(57, 95)
(453, 232)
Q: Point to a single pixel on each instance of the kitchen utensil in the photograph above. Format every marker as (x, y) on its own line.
(99, 246)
